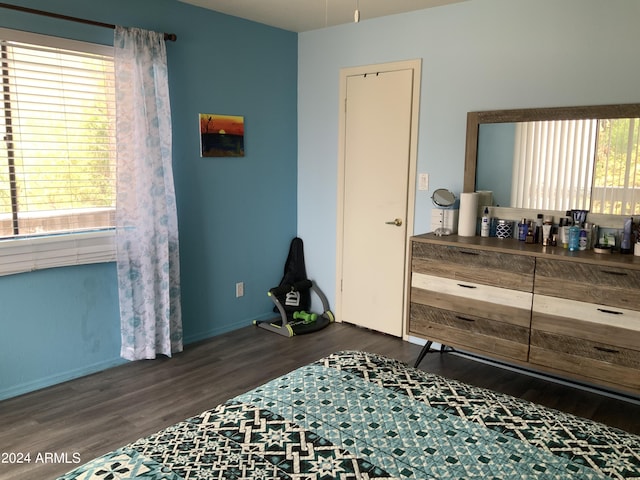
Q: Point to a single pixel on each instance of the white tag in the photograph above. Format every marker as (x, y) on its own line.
(292, 299)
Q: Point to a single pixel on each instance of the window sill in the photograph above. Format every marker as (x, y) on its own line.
(37, 253)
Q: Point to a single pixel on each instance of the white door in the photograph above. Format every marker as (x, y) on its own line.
(376, 168)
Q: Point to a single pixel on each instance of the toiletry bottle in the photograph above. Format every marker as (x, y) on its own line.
(522, 230)
(537, 234)
(565, 229)
(547, 227)
(530, 238)
(563, 234)
(584, 240)
(574, 238)
(484, 223)
(587, 228)
(625, 244)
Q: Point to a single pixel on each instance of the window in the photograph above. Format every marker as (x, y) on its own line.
(616, 186)
(57, 132)
(58, 154)
(582, 164)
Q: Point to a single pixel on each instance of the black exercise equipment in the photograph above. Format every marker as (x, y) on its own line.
(292, 299)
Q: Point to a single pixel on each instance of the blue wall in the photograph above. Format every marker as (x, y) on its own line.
(476, 55)
(57, 324)
(236, 216)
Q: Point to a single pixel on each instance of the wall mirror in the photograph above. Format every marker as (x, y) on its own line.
(496, 138)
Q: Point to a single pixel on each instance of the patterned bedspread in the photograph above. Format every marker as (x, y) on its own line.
(356, 415)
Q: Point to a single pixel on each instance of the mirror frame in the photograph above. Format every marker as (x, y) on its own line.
(475, 119)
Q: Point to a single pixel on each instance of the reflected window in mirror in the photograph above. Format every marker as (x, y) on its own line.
(616, 186)
(562, 164)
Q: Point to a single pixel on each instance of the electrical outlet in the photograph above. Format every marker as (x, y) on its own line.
(239, 289)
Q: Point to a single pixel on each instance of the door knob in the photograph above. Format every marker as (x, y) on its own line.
(397, 222)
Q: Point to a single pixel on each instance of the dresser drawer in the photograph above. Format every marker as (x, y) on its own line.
(468, 298)
(469, 331)
(588, 321)
(593, 341)
(605, 285)
(479, 266)
(604, 362)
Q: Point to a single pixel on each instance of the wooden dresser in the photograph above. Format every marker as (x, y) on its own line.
(572, 314)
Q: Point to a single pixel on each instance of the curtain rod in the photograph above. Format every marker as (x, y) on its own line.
(167, 36)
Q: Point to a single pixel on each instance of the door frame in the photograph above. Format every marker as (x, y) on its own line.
(416, 67)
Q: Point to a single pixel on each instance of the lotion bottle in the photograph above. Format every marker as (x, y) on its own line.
(564, 229)
(485, 223)
(547, 228)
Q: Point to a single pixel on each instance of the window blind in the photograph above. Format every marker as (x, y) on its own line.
(57, 161)
(583, 164)
(553, 164)
(26, 254)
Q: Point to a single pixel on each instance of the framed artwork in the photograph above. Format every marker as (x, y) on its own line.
(221, 135)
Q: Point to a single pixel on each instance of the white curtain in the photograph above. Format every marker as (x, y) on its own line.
(146, 219)
(553, 164)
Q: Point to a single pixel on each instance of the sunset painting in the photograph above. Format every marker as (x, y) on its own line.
(221, 135)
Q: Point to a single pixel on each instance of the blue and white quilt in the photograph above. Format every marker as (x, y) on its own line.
(357, 415)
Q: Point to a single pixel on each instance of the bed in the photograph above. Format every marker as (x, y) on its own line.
(358, 415)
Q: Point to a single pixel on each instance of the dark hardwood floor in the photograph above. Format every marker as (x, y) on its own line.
(98, 413)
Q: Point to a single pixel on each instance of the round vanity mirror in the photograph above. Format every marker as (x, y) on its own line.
(443, 199)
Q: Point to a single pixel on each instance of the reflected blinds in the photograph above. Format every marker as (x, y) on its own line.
(578, 164)
(553, 164)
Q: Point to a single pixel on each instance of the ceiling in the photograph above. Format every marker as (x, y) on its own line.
(305, 15)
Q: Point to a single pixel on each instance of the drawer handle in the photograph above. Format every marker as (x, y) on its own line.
(611, 272)
(466, 286)
(612, 312)
(607, 350)
(464, 252)
(465, 318)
